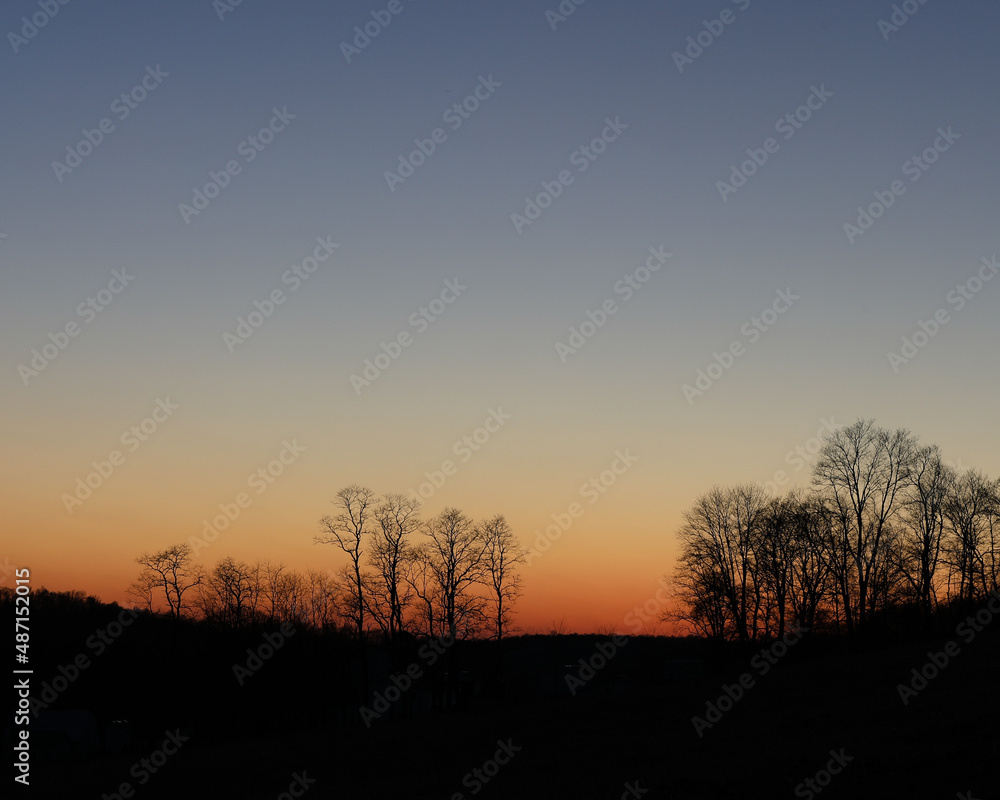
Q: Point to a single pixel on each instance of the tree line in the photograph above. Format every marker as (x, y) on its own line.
(886, 526)
(445, 576)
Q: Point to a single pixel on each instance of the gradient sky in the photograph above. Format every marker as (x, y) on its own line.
(654, 186)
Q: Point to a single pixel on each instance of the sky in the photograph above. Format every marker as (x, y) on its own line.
(654, 246)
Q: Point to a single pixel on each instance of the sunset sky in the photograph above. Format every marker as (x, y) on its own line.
(482, 284)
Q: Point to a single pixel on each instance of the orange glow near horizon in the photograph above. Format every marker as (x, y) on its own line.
(607, 561)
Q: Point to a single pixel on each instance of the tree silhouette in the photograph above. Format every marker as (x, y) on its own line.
(719, 558)
(930, 486)
(347, 530)
(398, 521)
(502, 554)
(231, 593)
(455, 557)
(971, 511)
(862, 471)
(172, 571)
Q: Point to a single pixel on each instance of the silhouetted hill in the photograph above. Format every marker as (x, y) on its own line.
(566, 733)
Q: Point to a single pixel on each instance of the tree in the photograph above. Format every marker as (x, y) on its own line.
(455, 557)
(323, 610)
(719, 578)
(231, 593)
(775, 560)
(811, 558)
(502, 553)
(420, 578)
(862, 470)
(143, 589)
(924, 502)
(347, 531)
(285, 593)
(971, 511)
(398, 520)
(698, 588)
(172, 571)
(991, 562)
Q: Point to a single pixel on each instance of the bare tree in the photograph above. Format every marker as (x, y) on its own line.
(720, 540)
(811, 558)
(862, 470)
(775, 561)
(699, 591)
(420, 578)
(502, 554)
(321, 599)
(455, 557)
(285, 593)
(992, 560)
(172, 571)
(143, 589)
(347, 531)
(231, 593)
(930, 485)
(970, 511)
(398, 521)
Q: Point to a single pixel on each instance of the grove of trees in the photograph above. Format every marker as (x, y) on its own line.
(234, 594)
(887, 530)
(446, 576)
(887, 526)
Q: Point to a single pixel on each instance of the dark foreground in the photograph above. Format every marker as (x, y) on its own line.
(819, 714)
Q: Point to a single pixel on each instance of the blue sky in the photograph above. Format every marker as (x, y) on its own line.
(654, 185)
